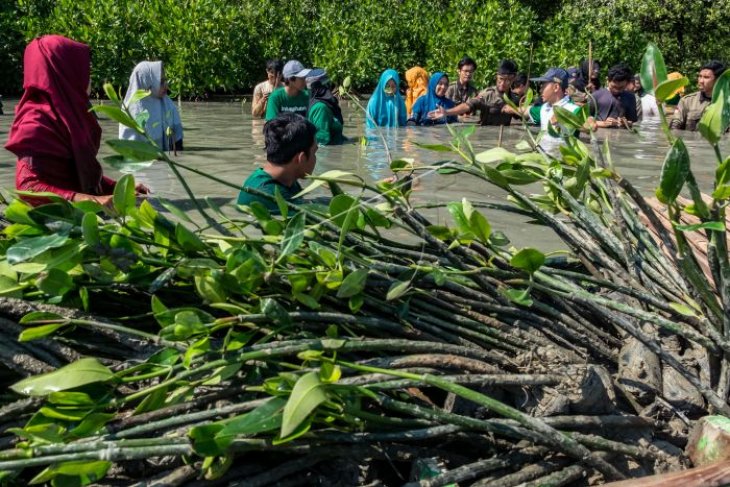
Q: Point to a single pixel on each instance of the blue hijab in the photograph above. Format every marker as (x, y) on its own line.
(387, 110)
(431, 101)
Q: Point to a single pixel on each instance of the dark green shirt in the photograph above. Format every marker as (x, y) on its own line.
(280, 102)
(329, 129)
(262, 181)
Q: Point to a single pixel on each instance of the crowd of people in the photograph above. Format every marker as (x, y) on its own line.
(56, 137)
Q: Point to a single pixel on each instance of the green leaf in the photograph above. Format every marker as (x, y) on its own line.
(480, 226)
(567, 118)
(434, 147)
(116, 114)
(210, 288)
(73, 474)
(124, 164)
(519, 296)
(55, 282)
(674, 172)
(717, 226)
(90, 228)
(110, 93)
(169, 206)
(722, 192)
(80, 373)
(293, 236)
(36, 316)
(333, 175)
(666, 88)
(125, 197)
(683, 309)
(281, 202)
(340, 207)
(528, 259)
(353, 283)
(188, 240)
(497, 154)
(716, 117)
(653, 70)
(38, 332)
(306, 395)
(267, 417)
(139, 95)
(31, 247)
(136, 150)
(397, 289)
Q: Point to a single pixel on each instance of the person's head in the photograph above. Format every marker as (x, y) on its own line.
(637, 83)
(273, 70)
(439, 83)
(552, 85)
(466, 67)
(707, 76)
(519, 85)
(590, 74)
(294, 74)
(389, 82)
(619, 77)
(316, 78)
(290, 141)
(51, 60)
(150, 76)
(506, 73)
(417, 77)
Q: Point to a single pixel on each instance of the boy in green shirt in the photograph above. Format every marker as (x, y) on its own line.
(324, 109)
(291, 154)
(292, 97)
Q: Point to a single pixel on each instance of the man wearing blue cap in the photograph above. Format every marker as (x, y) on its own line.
(292, 97)
(553, 86)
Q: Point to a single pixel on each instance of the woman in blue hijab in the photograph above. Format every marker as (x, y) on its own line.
(434, 98)
(386, 107)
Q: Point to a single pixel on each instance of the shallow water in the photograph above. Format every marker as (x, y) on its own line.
(221, 138)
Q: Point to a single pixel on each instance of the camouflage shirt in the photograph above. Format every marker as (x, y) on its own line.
(490, 104)
(689, 111)
(459, 93)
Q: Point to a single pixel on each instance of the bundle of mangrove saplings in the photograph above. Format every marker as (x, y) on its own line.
(359, 343)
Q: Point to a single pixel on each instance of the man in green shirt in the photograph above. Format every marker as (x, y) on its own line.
(291, 154)
(292, 97)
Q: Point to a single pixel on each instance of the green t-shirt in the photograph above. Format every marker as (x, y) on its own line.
(280, 102)
(329, 129)
(262, 181)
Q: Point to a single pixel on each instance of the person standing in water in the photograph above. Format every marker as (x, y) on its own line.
(462, 89)
(386, 107)
(435, 98)
(54, 135)
(690, 108)
(417, 79)
(293, 96)
(490, 102)
(263, 90)
(163, 123)
(324, 109)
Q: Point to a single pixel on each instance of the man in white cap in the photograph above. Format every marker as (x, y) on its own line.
(292, 97)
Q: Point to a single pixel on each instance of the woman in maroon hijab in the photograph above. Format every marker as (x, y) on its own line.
(54, 136)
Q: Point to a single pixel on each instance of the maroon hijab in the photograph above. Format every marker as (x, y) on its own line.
(52, 121)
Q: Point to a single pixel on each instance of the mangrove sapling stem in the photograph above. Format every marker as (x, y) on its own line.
(559, 478)
(527, 473)
(666, 357)
(475, 379)
(79, 447)
(464, 472)
(574, 293)
(434, 360)
(555, 438)
(111, 454)
(375, 437)
(152, 338)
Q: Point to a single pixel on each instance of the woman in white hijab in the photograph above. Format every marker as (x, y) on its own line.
(163, 123)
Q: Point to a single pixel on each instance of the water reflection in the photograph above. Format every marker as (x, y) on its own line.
(225, 141)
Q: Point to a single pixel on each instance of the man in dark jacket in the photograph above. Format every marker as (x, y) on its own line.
(614, 106)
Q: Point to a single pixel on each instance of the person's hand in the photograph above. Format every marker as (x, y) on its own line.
(509, 110)
(438, 113)
(265, 96)
(141, 189)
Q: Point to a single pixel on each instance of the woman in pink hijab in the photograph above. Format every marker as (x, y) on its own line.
(54, 136)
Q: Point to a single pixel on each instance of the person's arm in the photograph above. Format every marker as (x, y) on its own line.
(679, 117)
(258, 105)
(460, 109)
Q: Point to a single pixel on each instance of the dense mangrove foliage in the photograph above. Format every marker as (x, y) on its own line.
(357, 342)
(221, 45)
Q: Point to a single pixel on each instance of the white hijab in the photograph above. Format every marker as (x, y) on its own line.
(163, 114)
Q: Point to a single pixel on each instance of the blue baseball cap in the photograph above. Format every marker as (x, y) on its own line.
(554, 75)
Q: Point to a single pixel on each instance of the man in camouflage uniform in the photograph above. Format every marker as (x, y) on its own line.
(691, 107)
(463, 89)
(490, 102)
